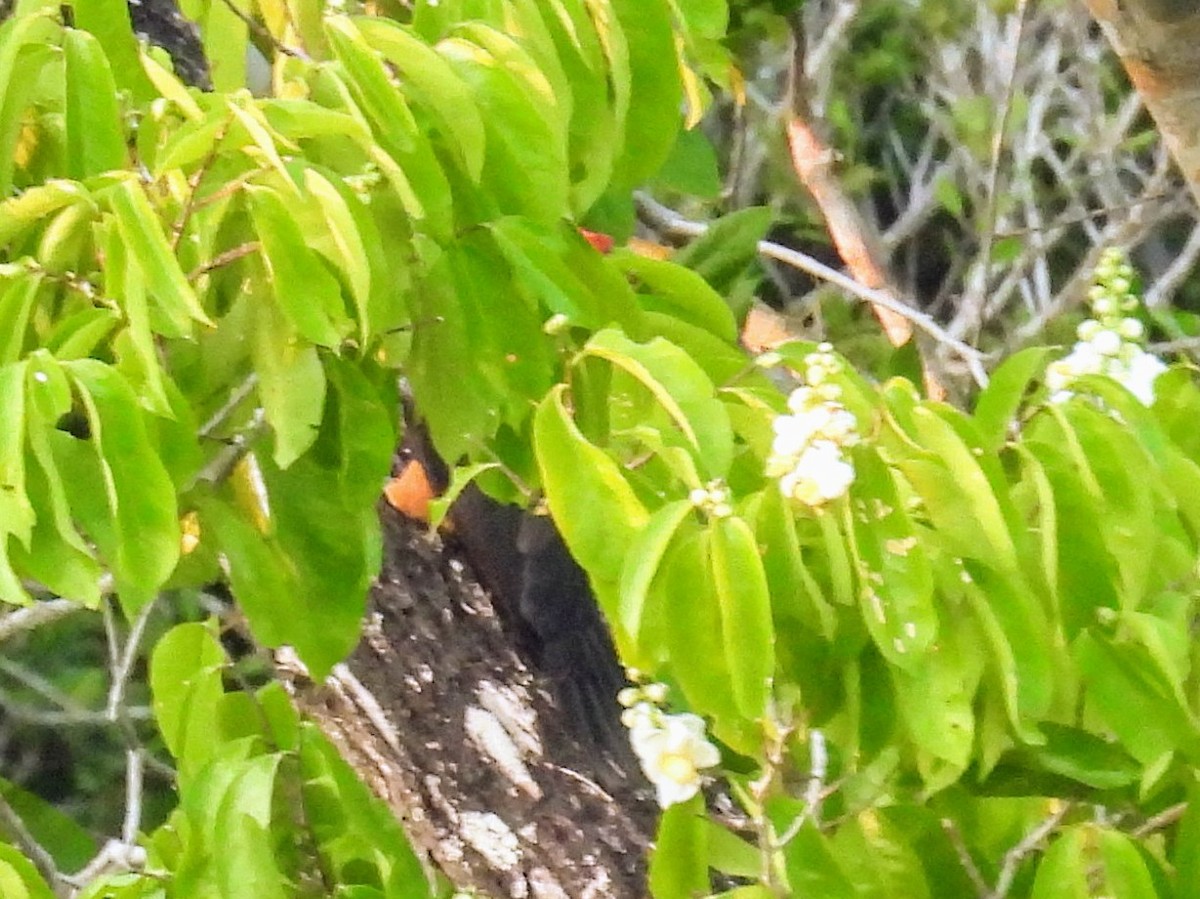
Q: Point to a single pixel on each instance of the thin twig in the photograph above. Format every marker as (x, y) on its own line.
(1165, 818)
(220, 466)
(1015, 856)
(28, 844)
(964, 857)
(238, 394)
(262, 33)
(976, 293)
(669, 220)
(34, 616)
(223, 259)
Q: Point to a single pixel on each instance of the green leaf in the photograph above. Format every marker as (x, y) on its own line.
(745, 606)
(812, 867)
(365, 430)
(578, 475)
(896, 595)
(305, 292)
(291, 381)
(415, 172)
(1063, 871)
(431, 82)
(27, 48)
(353, 824)
(1021, 652)
(935, 698)
(1006, 391)
(19, 879)
(141, 497)
(692, 167)
(1083, 757)
(246, 867)
(566, 275)
(585, 59)
(109, 21)
(55, 831)
(460, 411)
(224, 33)
(304, 582)
(1124, 869)
(730, 246)
(1127, 479)
(680, 387)
(644, 560)
(879, 859)
(794, 591)
(16, 514)
(730, 853)
(148, 248)
(185, 680)
(525, 166)
(962, 490)
(1087, 574)
(125, 282)
(653, 117)
(683, 606)
(58, 555)
(35, 205)
(1186, 850)
(1136, 699)
(66, 241)
(95, 125)
(342, 214)
(679, 865)
(684, 293)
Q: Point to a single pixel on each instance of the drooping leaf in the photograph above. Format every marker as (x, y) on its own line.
(431, 81)
(291, 381)
(679, 865)
(644, 560)
(526, 160)
(140, 495)
(745, 605)
(185, 680)
(417, 174)
(1006, 390)
(683, 292)
(148, 248)
(305, 292)
(95, 126)
(109, 21)
(680, 387)
(591, 501)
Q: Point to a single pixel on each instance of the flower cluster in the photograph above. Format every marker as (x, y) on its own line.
(672, 749)
(712, 499)
(1109, 342)
(806, 454)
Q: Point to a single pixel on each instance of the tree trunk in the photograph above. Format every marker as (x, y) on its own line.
(1159, 45)
(443, 721)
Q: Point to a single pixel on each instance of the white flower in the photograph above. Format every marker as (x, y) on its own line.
(802, 399)
(1139, 379)
(672, 753)
(1105, 342)
(1131, 329)
(821, 474)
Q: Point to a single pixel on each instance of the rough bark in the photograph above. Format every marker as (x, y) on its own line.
(438, 714)
(1159, 45)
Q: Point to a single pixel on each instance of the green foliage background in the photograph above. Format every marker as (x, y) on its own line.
(991, 634)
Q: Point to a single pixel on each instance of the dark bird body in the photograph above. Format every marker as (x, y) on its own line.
(544, 600)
